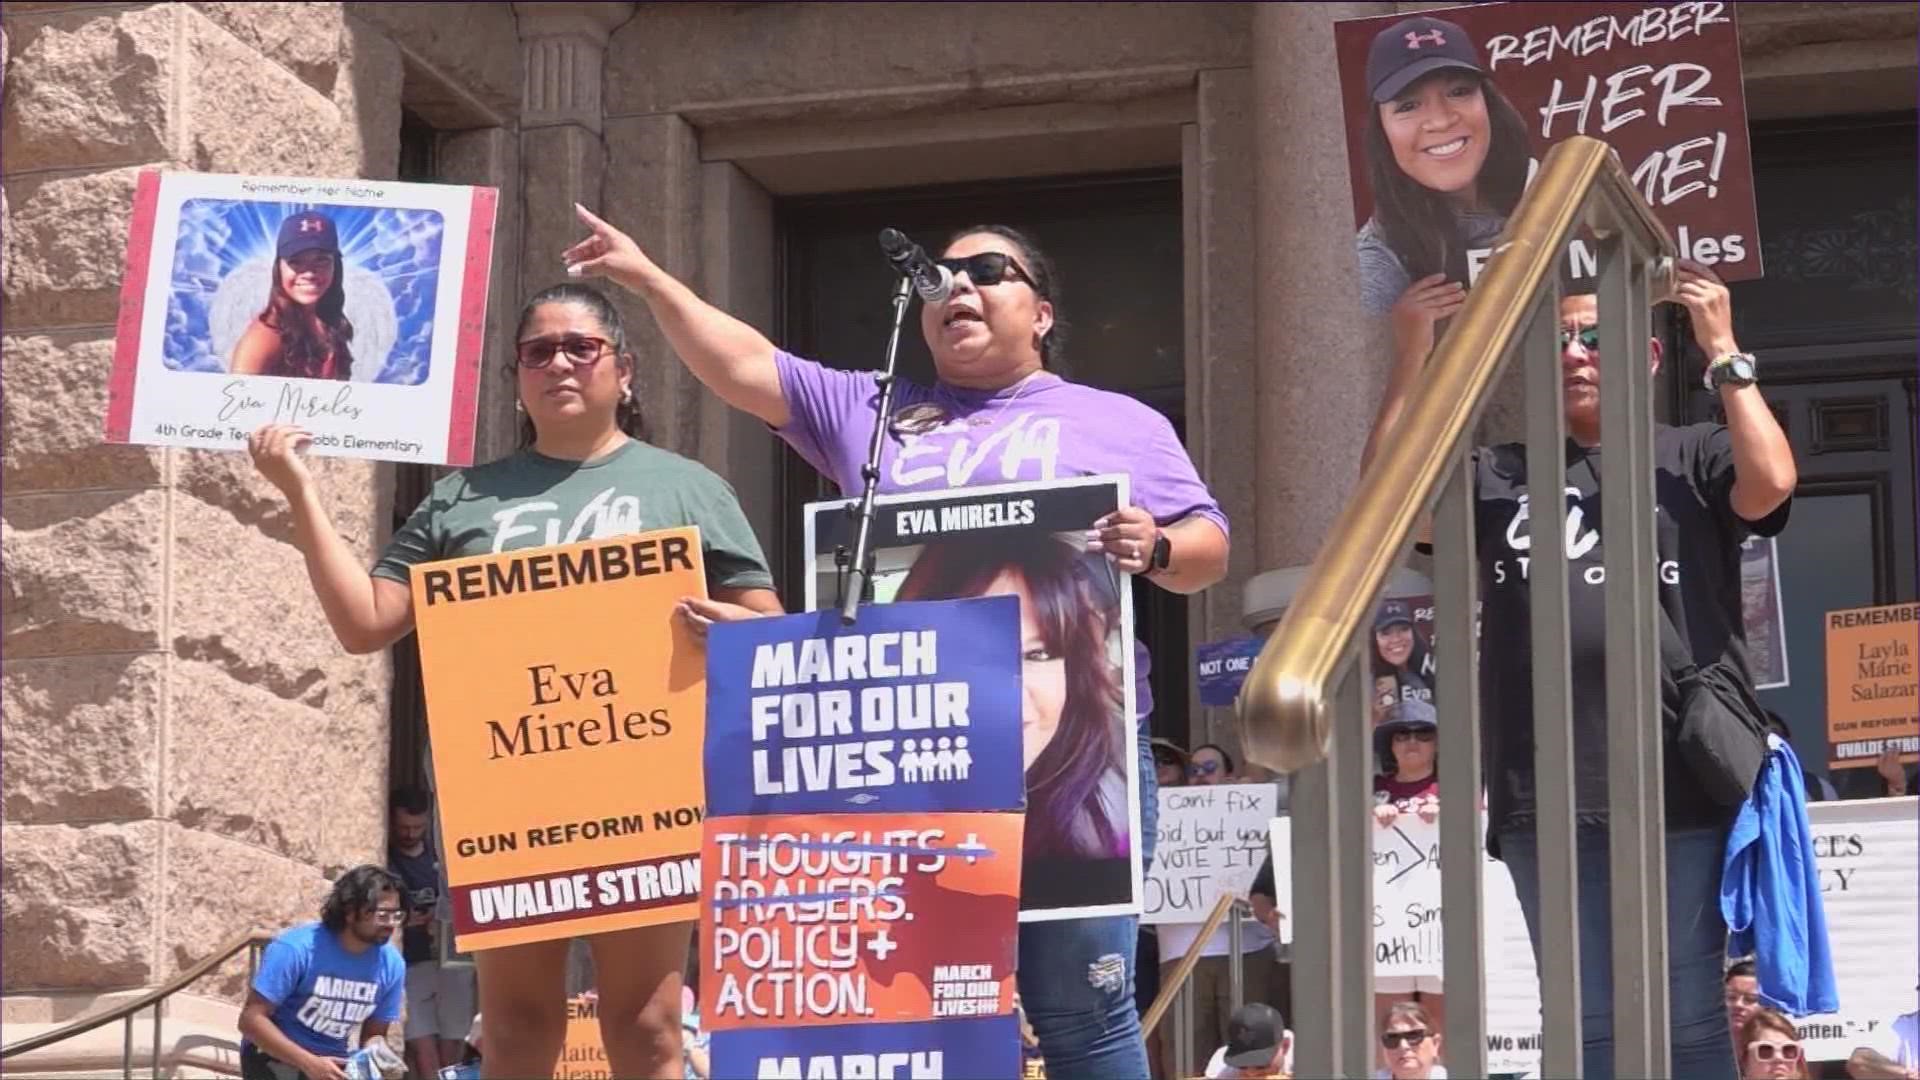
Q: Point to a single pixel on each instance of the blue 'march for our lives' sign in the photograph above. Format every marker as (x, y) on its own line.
(916, 708)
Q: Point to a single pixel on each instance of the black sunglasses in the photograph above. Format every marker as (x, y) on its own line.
(1588, 336)
(990, 268)
(1393, 1040)
(581, 351)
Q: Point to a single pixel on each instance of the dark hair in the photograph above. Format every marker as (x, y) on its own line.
(309, 339)
(1225, 758)
(627, 414)
(413, 800)
(1417, 222)
(1068, 808)
(1046, 283)
(358, 890)
(1738, 969)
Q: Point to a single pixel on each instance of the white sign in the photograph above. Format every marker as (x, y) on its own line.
(1866, 857)
(1210, 842)
(355, 309)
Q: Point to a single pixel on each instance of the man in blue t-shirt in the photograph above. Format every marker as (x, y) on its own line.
(324, 988)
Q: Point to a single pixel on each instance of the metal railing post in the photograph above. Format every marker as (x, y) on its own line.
(157, 1006)
(1634, 779)
(1183, 1027)
(1455, 603)
(1236, 979)
(1354, 765)
(1546, 571)
(126, 1051)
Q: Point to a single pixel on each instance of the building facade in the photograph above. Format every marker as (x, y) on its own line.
(188, 754)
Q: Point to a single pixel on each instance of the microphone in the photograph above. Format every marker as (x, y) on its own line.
(931, 280)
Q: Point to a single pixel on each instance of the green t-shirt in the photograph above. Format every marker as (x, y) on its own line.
(531, 500)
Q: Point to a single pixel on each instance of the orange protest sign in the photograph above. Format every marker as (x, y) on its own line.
(1873, 691)
(567, 708)
(584, 1057)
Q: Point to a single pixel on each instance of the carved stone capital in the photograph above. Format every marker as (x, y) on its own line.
(563, 48)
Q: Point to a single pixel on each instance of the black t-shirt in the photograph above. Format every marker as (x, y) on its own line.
(421, 875)
(1699, 538)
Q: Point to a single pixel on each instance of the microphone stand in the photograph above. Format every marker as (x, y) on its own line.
(856, 567)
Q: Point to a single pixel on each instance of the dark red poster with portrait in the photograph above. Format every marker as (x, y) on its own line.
(1449, 112)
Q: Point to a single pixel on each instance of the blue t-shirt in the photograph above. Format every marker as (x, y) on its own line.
(321, 993)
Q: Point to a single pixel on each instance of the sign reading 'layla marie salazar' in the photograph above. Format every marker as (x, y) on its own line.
(1873, 684)
(566, 756)
(355, 309)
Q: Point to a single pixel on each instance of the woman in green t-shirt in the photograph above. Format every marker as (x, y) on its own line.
(580, 475)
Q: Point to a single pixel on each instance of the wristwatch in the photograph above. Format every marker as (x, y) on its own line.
(1733, 369)
(1162, 555)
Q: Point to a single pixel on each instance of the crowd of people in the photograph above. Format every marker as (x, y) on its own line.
(997, 343)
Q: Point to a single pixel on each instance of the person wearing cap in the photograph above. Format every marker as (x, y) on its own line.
(1715, 484)
(1258, 1045)
(303, 332)
(1402, 668)
(1407, 745)
(1447, 160)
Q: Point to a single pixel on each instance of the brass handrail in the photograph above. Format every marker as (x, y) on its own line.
(125, 1010)
(1284, 705)
(1170, 988)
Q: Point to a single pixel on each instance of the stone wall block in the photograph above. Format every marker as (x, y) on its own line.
(303, 38)
(77, 905)
(244, 763)
(216, 888)
(242, 603)
(369, 96)
(90, 89)
(53, 412)
(80, 733)
(475, 48)
(82, 572)
(66, 247)
(658, 200)
(245, 116)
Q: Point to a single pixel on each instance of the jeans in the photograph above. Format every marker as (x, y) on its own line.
(1076, 976)
(1696, 946)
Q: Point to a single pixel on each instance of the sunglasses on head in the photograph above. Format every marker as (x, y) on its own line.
(1764, 1051)
(581, 351)
(1394, 1040)
(990, 268)
(1587, 336)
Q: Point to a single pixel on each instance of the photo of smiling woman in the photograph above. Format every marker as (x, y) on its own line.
(1447, 160)
(303, 332)
(1073, 719)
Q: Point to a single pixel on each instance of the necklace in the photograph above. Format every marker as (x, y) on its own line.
(1019, 388)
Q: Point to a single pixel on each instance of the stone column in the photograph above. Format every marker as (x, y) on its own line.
(189, 752)
(1320, 367)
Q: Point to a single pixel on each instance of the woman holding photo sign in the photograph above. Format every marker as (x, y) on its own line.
(1447, 160)
(995, 414)
(583, 473)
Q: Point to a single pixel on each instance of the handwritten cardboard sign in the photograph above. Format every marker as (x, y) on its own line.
(567, 710)
(1211, 842)
(1873, 685)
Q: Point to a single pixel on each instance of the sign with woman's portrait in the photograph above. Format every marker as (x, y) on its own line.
(351, 308)
(1079, 743)
(1450, 111)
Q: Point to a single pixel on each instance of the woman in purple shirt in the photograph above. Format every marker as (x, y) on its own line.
(994, 415)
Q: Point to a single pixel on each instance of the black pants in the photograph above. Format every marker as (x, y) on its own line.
(255, 1064)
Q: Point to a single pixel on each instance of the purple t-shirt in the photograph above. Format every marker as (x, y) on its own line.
(1042, 428)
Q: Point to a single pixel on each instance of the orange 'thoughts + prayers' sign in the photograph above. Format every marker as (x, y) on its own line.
(567, 708)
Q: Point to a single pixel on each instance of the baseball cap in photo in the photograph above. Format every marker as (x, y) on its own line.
(307, 230)
(1253, 1035)
(1415, 47)
(1392, 613)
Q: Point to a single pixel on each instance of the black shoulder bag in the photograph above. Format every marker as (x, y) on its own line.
(1719, 728)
